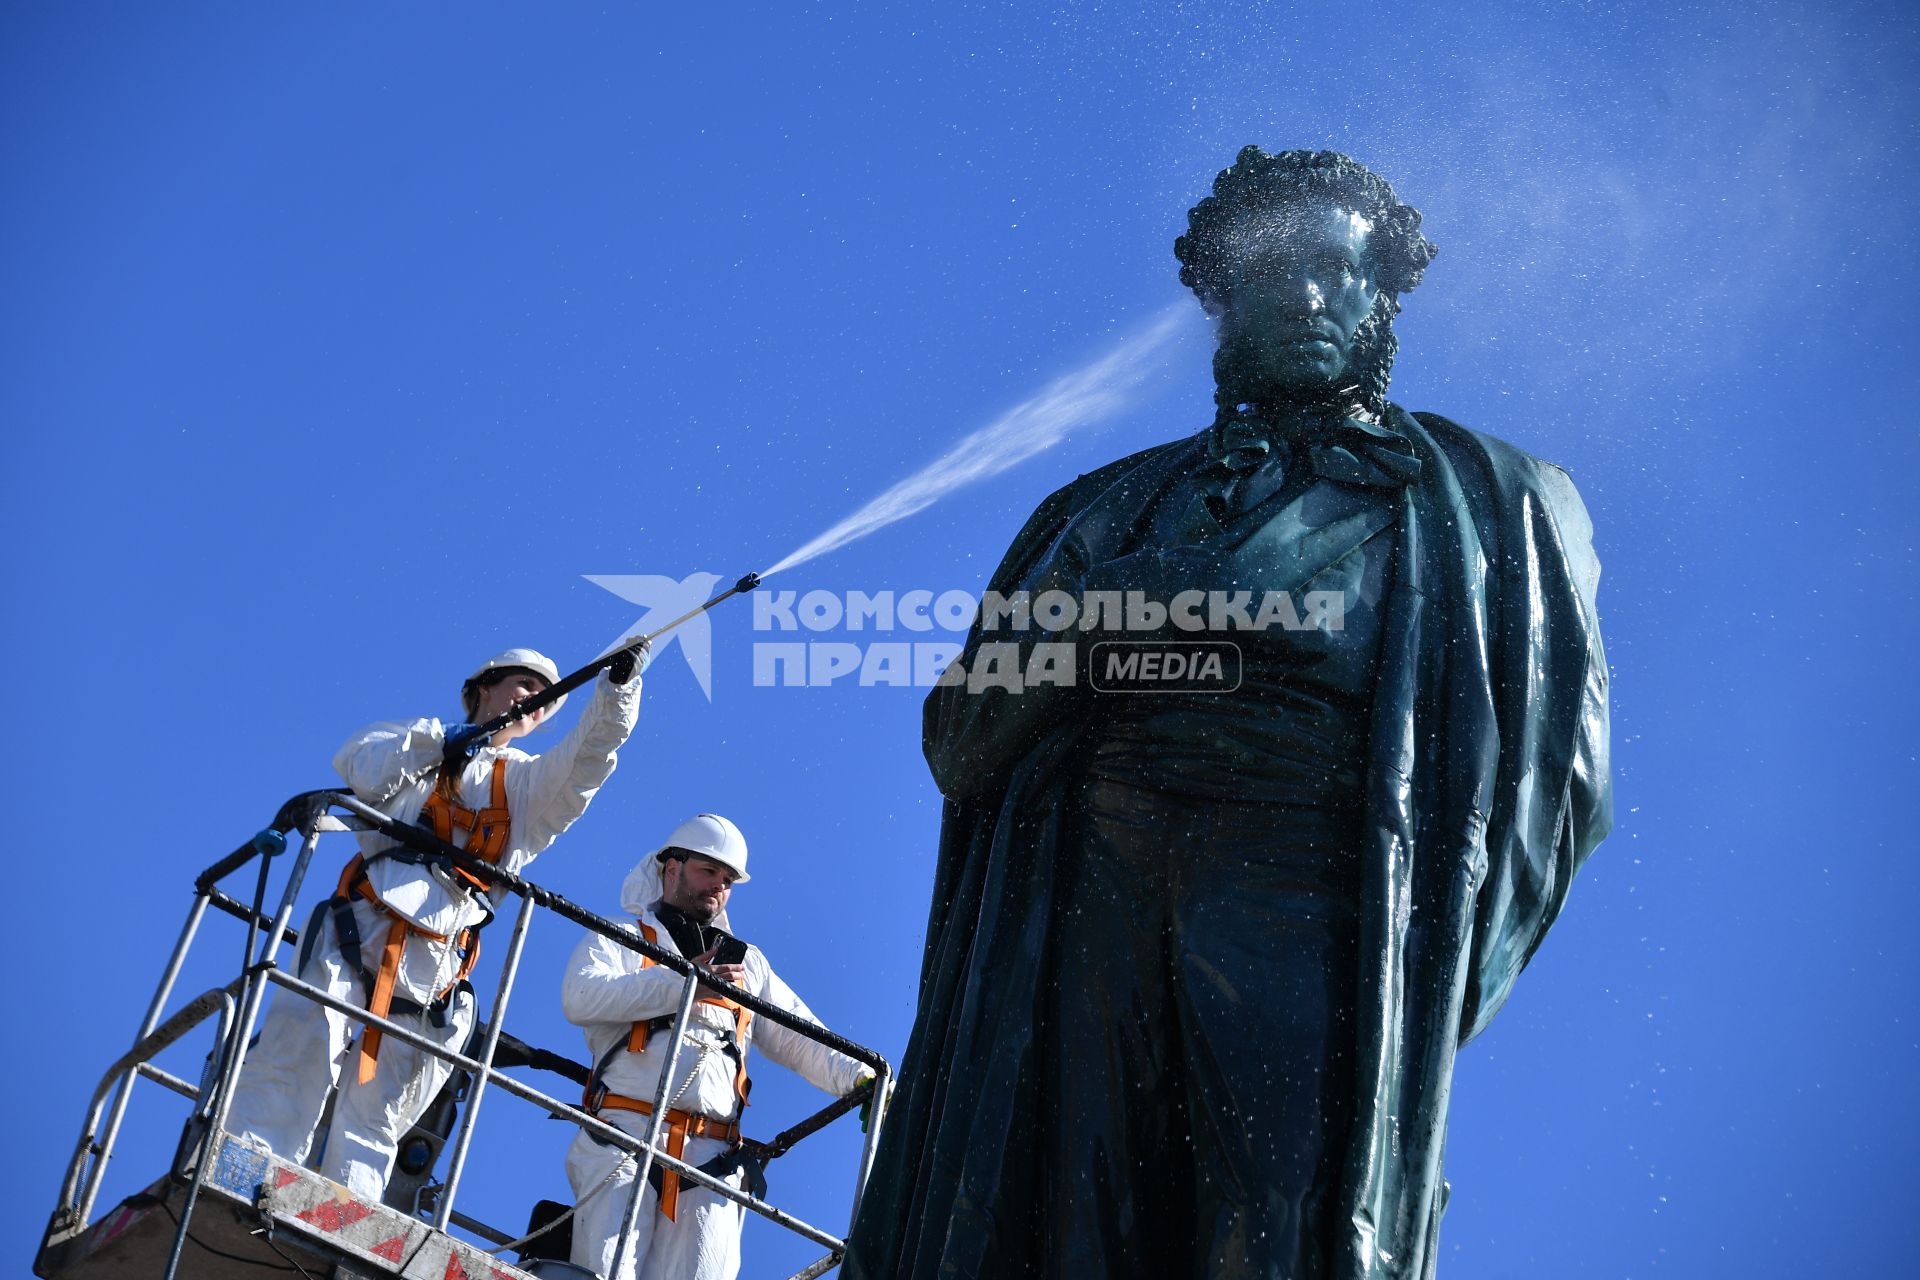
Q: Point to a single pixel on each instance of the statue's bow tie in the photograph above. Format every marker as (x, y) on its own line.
(1340, 449)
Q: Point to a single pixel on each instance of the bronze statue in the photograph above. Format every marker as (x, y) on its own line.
(1199, 960)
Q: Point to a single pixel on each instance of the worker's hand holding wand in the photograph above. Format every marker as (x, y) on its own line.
(628, 660)
(463, 742)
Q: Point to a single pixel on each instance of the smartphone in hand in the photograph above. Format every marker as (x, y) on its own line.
(729, 950)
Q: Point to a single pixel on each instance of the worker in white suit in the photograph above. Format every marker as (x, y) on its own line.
(626, 1003)
(400, 934)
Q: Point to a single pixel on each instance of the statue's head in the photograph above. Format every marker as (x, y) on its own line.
(1303, 256)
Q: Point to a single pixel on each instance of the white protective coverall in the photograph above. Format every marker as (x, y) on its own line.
(304, 1050)
(605, 992)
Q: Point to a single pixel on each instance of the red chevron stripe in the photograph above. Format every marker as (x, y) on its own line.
(333, 1215)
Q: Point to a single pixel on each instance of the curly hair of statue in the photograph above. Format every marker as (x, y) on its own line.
(1255, 185)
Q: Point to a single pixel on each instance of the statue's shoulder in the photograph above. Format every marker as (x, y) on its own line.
(1505, 472)
(1500, 477)
(1505, 464)
(1071, 499)
(1074, 496)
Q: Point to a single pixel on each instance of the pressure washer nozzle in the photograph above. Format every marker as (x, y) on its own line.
(747, 583)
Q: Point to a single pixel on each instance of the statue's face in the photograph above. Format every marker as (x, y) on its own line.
(1301, 287)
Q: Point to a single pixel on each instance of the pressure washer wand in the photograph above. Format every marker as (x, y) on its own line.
(567, 684)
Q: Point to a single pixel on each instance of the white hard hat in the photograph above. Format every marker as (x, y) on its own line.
(526, 659)
(711, 836)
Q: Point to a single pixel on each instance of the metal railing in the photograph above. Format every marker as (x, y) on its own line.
(238, 1005)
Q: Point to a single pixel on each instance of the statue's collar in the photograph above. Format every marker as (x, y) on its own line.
(1351, 450)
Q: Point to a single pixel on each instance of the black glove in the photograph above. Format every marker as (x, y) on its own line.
(626, 662)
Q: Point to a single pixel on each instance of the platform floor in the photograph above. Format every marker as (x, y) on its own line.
(314, 1224)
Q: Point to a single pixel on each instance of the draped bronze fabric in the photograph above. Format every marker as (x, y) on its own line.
(1486, 787)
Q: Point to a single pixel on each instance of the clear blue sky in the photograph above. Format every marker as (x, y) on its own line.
(340, 342)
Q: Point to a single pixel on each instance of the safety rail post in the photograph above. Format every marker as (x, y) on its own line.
(234, 1053)
(267, 849)
(819, 1268)
(644, 1159)
(223, 1030)
(108, 1136)
(870, 1144)
(457, 1164)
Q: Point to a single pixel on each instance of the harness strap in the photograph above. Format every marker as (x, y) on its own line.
(487, 830)
(640, 1032)
(381, 1002)
(681, 1125)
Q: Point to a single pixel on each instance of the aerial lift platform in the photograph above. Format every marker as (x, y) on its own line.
(230, 1210)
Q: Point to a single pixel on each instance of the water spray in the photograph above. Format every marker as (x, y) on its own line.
(1077, 399)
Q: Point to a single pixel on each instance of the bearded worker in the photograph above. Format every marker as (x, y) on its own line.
(625, 1003)
(1199, 961)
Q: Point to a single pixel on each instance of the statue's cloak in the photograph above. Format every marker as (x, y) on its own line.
(1487, 787)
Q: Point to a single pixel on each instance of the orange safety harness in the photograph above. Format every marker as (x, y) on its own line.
(487, 834)
(487, 830)
(681, 1124)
